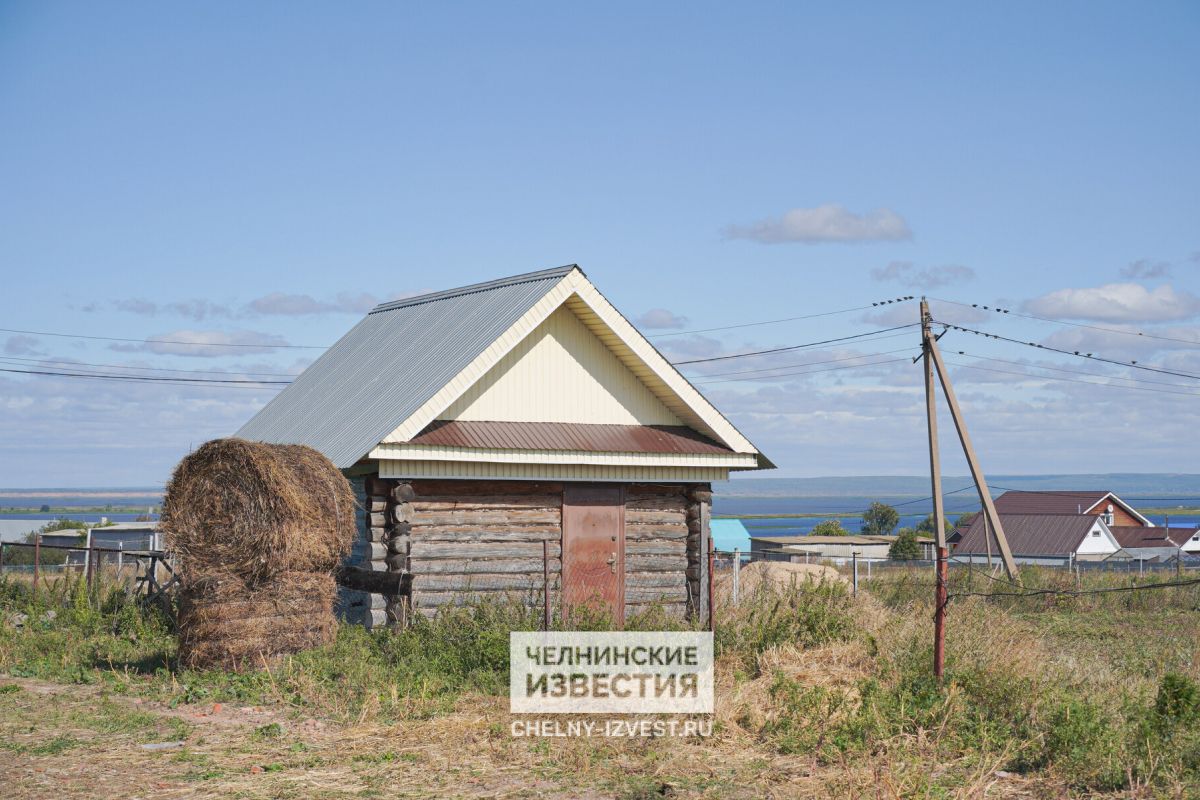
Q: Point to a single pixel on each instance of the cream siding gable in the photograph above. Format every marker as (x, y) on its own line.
(624, 341)
(561, 372)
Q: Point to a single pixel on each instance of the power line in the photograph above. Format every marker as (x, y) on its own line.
(809, 372)
(1072, 371)
(71, 364)
(1071, 380)
(163, 341)
(143, 378)
(806, 363)
(792, 347)
(1143, 334)
(1076, 353)
(784, 319)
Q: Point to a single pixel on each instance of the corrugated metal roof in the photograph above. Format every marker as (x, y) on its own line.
(391, 363)
(567, 436)
(1140, 536)
(1030, 534)
(1047, 502)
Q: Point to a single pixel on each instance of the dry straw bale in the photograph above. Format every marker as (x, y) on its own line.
(225, 622)
(257, 510)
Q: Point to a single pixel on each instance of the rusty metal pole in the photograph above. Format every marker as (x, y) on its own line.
(546, 584)
(712, 561)
(37, 557)
(91, 564)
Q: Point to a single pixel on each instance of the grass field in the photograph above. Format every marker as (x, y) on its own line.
(819, 694)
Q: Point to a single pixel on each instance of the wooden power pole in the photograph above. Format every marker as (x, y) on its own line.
(933, 362)
(939, 513)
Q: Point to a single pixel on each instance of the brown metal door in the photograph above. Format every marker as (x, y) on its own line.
(593, 521)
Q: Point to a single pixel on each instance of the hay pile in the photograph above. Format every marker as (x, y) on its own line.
(257, 531)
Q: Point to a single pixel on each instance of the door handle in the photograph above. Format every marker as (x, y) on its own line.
(612, 563)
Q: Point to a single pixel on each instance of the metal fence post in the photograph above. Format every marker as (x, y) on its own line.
(737, 573)
(546, 584)
(91, 564)
(37, 557)
(1, 558)
(854, 562)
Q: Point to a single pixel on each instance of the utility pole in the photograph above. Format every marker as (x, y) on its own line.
(985, 496)
(939, 513)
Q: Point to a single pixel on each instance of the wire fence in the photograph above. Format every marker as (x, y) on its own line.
(146, 573)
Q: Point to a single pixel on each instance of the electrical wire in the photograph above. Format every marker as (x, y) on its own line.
(1076, 353)
(144, 378)
(805, 363)
(813, 371)
(784, 319)
(71, 364)
(793, 347)
(1070, 380)
(1072, 371)
(1143, 334)
(163, 341)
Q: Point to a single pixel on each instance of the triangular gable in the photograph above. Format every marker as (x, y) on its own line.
(1102, 505)
(575, 293)
(561, 372)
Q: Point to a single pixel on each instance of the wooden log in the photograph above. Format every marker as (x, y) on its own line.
(695, 526)
(401, 529)
(397, 562)
(435, 566)
(403, 492)
(693, 513)
(468, 488)
(634, 594)
(524, 583)
(673, 607)
(378, 519)
(420, 549)
(700, 496)
(376, 504)
(655, 548)
(636, 517)
(402, 512)
(483, 516)
(377, 535)
(472, 533)
(375, 486)
(654, 489)
(639, 563)
(364, 580)
(445, 502)
(438, 599)
(655, 580)
(399, 544)
(368, 551)
(350, 599)
(661, 531)
(657, 503)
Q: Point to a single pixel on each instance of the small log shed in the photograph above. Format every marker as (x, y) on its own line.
(477, 423)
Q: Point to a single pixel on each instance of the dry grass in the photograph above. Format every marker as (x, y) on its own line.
(257, 510)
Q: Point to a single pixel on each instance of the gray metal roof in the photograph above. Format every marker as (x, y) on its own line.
(391, 363)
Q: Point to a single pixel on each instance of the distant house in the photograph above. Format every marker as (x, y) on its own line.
(1049, 539)
(124, 537)
(729, 535)
(839, 549)
(69, 538)
(1107, 505)
(1154, 544)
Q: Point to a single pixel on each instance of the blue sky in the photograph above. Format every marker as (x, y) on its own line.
(260, 173)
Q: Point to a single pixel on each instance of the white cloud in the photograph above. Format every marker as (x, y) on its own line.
(1118, 302)
(906, 273)
(661, 318)
(1145, 269)
(23, 346)
(283, 304)
(205, 344)
(827, 223)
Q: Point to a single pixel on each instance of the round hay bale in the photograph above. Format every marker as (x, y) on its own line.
(226, 623)
(257, 510)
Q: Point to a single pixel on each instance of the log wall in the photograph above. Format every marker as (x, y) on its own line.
(483, 539)
(454, 540)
